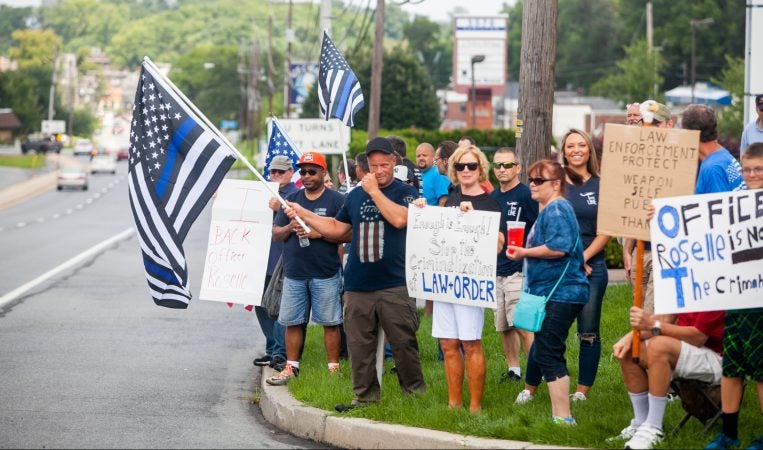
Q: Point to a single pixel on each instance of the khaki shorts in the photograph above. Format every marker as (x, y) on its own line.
(647, 283)
(698, 363)
(506, 298)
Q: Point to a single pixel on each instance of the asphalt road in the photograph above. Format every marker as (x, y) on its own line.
(87, 360)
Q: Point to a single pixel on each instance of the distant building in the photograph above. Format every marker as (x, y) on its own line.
(8, 124)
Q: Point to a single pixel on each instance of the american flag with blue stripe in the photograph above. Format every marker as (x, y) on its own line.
(280, 144)
(339, 92)
(176, 164)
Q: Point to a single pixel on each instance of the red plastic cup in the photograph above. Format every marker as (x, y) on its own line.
(515, 234)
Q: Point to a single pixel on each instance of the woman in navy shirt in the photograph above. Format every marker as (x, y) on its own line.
(553, 251)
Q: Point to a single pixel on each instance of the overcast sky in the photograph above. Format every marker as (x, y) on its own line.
(438, 10)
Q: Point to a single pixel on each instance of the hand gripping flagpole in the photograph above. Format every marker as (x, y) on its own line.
(225, 140)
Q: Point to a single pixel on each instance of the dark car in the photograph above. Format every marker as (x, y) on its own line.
(41, 146)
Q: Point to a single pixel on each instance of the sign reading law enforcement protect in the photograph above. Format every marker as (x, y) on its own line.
(707, 252)
(639, 164)
(239, 243)
(450, 256)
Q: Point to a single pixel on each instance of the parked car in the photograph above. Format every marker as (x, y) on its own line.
(43, 145)
(83, 147)
(103, 163)
(72, 177)
(122, 154)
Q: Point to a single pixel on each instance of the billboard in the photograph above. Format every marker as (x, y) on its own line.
(303, 78)
(480, 36)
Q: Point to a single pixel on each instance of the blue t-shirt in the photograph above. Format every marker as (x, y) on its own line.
(752, 133)
(276, 247)
(558, 229)
(376, 259)
(510, 202)
(585, 202)
(435, 185)
(719, 172)
(321, 258)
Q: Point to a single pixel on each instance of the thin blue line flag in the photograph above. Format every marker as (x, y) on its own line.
(339, 92)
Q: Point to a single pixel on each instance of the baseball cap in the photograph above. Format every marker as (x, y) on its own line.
(379, 144)
(652, 110)
(403, 174)
(312, 158)
(280, 162)
(759, 101)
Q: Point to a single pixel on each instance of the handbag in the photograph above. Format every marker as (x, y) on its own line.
(531, 309)
(271, 299)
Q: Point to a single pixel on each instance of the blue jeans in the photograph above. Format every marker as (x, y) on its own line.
(546, 356)
(589, 321)
(275, 333)
(318, 297)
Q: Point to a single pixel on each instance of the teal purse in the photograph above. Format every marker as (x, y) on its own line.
(531, 309)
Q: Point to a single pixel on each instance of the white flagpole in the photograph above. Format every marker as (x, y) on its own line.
(346, 172)
(225, 140)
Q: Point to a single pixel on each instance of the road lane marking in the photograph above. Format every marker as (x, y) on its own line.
(92, 251)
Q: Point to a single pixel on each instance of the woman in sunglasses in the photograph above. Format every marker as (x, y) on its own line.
(460, 326)
(553, 255)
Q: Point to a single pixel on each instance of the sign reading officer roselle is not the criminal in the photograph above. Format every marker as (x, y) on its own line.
(639, 164)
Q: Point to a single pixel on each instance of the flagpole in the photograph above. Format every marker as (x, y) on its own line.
(225, 140)
(346, 171)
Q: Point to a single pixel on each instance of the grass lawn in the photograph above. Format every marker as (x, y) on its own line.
(605, 413)
(32, 161)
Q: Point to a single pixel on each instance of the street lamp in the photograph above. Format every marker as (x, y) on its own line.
(694, 24)
(475, 59)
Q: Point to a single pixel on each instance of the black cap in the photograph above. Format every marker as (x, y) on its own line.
(759, 101)
(379, 144)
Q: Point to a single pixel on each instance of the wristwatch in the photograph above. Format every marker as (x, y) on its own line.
(656, 328)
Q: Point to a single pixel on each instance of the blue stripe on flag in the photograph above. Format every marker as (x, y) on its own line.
(345, 95)
(160, 272)
(172, 150)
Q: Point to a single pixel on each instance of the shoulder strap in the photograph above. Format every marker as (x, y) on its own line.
(563, 273)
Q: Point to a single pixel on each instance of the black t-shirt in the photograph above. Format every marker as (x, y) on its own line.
(481, 202)
(585, 203)
(510, 202)
(320, 259)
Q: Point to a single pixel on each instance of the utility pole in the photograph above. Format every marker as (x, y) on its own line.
(287, 65)
(270, 65)
(254, 93)
(374, 106)
(536, 79)
(326, 16)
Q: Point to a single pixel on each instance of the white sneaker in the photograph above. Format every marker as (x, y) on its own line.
(626, 434)
(578, 397)
(524, 397)
(645, 438)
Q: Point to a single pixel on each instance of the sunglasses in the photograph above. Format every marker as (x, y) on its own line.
(538, 181)
(461, 166)
(277, 171)
(504, 165)
(304, 172)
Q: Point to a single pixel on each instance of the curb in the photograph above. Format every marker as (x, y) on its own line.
(26, 189)
(286, 413)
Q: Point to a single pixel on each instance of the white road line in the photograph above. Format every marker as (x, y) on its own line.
(89, 201)
(56, 215)
(21, 225)
(40, 219)
(69, 211)
(92, 251)
(79, 206)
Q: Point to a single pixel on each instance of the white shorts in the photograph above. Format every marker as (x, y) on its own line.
(701, 364)
(462, 322)
(506, 298)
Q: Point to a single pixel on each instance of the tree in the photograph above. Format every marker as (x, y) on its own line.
(435, 53)
(637, 75)
(731, 118)
(514, 37)
(536, 79)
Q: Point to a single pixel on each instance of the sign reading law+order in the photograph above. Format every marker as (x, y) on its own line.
(707, 252)
(239, 243)
(450, 256)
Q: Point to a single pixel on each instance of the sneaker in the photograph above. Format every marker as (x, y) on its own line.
(262, 361)
(578, 397)
(524, 397)
(278, 363)
(333, 368)
(568, 421)
(722, 441)
(626, 434)
(645, 438)
(757, 444)
(509, 375)
(283, 376)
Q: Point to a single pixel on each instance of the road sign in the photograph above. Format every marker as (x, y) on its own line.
(53, 126)
(330, 137)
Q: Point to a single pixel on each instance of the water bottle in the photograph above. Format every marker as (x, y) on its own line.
(304, 241)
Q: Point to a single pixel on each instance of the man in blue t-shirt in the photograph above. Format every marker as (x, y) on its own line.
(376, 216)
(516, 205)
(753, 132)
(435, 184)
(312, 279)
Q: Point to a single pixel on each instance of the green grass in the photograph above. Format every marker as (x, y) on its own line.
(606, 412)
(32, 161)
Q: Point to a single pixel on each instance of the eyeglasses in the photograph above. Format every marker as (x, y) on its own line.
(461, 166)
(304, 172)
(277, 172)
(538, 181)
(752, 170)
(504, 165)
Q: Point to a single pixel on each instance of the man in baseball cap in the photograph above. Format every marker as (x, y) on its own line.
(753, 132)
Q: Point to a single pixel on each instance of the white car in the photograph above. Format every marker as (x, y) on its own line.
(103, 163)
(83, 147)
(72, 177)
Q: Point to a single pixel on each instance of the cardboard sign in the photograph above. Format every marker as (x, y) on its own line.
(450, 256)
(707, 252)
(239, 243)
(639, 164)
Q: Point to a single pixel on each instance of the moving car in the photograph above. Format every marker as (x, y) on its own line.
(72, 177)
(83, 147)
(41, 145)
(103, 162)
